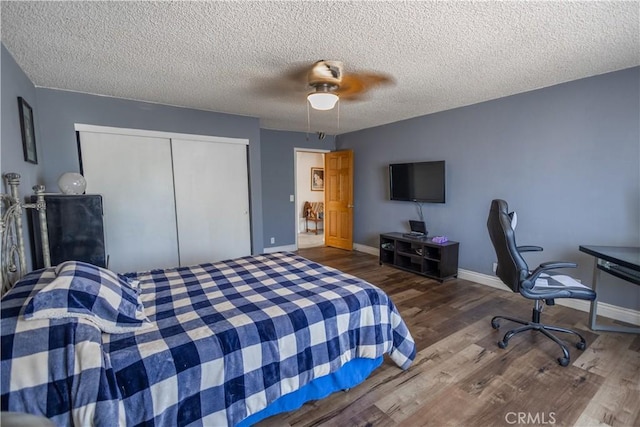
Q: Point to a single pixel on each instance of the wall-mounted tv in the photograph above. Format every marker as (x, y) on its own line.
(417, 182)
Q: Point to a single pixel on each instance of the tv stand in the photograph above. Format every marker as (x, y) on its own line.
(420, 255)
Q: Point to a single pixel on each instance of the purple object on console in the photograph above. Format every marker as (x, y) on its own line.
(440, 239)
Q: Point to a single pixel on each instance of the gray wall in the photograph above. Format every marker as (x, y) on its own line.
(278, 181)
(15, 83)
(566, 158)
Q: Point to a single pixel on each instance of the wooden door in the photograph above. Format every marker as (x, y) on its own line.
(338, 193)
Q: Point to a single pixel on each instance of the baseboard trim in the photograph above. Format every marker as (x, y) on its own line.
(610, 311)
(287, 248)
(366, 249)
(483, 279)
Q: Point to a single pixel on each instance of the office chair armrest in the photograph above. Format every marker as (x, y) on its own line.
(546, 266)
(528, 248)
(557, 264)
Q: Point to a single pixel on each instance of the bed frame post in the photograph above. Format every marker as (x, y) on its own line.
(41, 207)
(13, 180)
(14, 259)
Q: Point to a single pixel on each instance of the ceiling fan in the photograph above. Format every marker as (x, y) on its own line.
(330, 83)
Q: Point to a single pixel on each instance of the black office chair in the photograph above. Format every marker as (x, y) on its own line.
(540, 285)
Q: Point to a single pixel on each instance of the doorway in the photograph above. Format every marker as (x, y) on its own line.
(309, 173)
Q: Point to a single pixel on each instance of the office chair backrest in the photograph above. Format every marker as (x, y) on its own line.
(512, 268)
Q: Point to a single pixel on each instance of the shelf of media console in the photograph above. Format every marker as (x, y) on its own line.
(420, 255)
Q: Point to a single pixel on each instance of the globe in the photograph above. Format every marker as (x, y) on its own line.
(72, 183)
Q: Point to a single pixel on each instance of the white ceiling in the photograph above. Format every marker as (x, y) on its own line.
(228, 56)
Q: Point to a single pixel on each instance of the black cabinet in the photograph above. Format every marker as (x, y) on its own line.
(420, 255)
(75, 228)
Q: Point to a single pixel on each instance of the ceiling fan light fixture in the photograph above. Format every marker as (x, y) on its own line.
(322, 99)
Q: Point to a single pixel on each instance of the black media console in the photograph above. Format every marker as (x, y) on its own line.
(420, 255)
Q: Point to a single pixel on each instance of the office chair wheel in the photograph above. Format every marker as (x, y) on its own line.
(563, 361)
(581, 345)
(502, 344)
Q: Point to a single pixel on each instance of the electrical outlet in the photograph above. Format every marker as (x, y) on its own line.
(495, 267)
(273, 240)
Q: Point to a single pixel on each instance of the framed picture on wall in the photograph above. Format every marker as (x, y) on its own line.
(28, 131)
(317, 179)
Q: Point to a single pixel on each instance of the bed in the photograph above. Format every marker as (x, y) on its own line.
(224, 343)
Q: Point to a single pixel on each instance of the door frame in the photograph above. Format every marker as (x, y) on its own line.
(296, 150)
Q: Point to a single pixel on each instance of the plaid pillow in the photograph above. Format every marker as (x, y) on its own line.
(96, 294)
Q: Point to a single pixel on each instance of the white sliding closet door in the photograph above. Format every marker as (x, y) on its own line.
(134, 176)
(212, 200)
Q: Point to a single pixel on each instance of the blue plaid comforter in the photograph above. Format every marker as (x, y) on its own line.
(227, 339)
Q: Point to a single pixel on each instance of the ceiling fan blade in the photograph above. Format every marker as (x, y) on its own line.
(354, 85)
(298, 73)
(289, 86)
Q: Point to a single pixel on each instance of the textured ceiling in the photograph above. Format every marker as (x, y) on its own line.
(229, 56)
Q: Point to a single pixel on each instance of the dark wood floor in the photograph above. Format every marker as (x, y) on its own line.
(461, 378)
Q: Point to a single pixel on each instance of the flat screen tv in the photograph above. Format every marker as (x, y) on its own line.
(417, 182)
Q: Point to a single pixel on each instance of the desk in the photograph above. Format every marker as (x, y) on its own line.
(622, 262)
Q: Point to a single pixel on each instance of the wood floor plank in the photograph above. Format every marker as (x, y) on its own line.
(409, 397)
(601, 356)
(617, 401)
(371, 416)
(544, 392)
(460, 377)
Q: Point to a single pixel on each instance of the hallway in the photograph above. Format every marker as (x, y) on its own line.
(310, 240)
